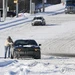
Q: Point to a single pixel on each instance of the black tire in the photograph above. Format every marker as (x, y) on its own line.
(65, 12)
(37, 55)
(44, 23)
(11, 52)
(11, 56)
(15, 55)
(32, 24)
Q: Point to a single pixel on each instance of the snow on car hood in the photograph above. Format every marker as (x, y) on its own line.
(30, 46)
(26, 46)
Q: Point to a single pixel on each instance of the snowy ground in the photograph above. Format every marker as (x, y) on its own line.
(56, 37)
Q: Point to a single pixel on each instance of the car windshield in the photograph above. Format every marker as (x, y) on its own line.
(25, 42)
(38, 18)
(70, 3)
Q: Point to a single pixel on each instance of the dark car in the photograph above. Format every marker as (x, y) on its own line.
(38, 21)
(23, 48)
(11, 14)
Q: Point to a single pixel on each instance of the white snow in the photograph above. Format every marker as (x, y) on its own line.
(47, 65)
(54, 8)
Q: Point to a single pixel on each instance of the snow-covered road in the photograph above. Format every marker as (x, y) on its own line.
(57, 38)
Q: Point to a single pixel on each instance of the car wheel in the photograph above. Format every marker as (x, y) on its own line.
(44, 24)
(11, 51)
(11, 56)
(37, 55)
(32, 24)
(15, 55)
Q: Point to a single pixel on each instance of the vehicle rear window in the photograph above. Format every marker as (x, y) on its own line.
(38, 18)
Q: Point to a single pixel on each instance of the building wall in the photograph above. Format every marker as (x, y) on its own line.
(54, 1)
(48, 1)
(24, 5)
(1, 3)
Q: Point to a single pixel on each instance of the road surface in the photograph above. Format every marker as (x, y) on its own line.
(56, 37)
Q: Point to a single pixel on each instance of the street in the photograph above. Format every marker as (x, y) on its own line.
(56, 37)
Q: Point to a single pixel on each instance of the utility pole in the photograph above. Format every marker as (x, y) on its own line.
(6, 7)
(17, 9)
(30, 6)
(43, 5)
(4, 16)
(16, 2)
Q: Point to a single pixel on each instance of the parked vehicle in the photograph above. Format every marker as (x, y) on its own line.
(70, 6)
(11, 14)
(28, 47)
(38, 21)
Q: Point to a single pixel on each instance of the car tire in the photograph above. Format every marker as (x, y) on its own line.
(11, 56)
(32, 24)
(37, 55)
(11, 51)
(44, 24)
(15, 55)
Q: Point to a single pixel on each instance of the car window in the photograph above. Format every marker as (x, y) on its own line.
(32, 42)
(37, 18)
(25, 42)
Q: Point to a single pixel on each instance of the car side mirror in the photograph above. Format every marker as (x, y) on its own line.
(39, 44)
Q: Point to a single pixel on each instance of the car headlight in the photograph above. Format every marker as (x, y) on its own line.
(37, 49)
(19, 49)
